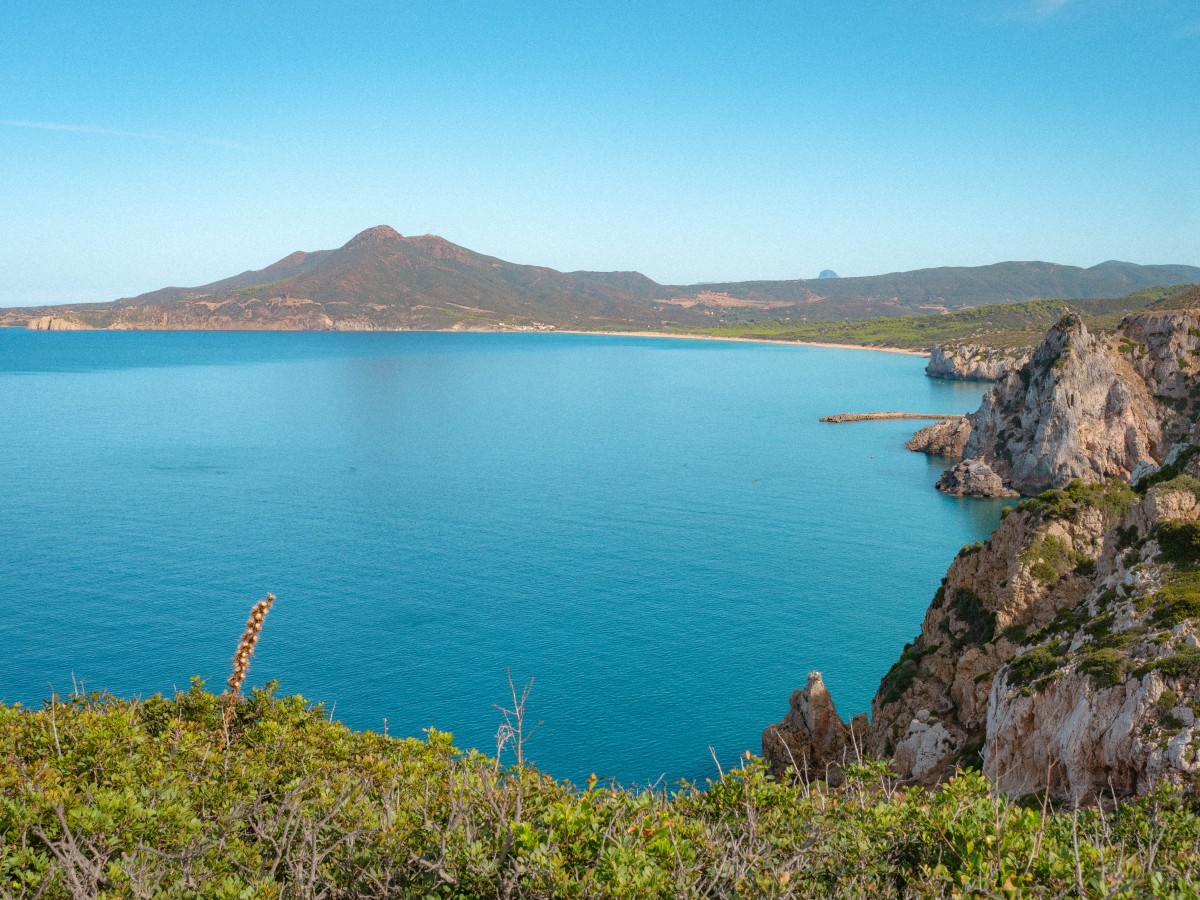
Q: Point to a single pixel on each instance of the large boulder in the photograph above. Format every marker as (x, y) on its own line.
(973, 478)
(946, 438)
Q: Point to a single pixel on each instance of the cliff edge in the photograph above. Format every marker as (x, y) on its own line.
(1084, 407)
(1063, 654)
(973, 362)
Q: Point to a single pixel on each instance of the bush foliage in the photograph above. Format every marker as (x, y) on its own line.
(192, 796)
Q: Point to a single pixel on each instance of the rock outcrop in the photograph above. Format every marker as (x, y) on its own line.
(812, 738)
(946, 438)
(1063, 654)
(973, 478)
(1087, 407)
(973, 362)
(54, 323)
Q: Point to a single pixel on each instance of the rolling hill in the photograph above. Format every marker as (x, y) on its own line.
(383, 280)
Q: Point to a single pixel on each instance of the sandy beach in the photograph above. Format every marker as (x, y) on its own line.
(714, 337)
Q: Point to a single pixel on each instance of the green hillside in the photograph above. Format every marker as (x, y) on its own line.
(1005, 325)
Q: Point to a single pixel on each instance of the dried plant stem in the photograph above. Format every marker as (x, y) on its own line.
(241, 659)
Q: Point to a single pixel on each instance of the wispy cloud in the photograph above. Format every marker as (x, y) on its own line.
(116, 132)
(1190, 30)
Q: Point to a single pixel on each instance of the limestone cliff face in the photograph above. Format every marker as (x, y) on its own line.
(930, 712)
(1062, 654)
(54, 323)
(1104, 700)
(1085, 407)
(972, 362)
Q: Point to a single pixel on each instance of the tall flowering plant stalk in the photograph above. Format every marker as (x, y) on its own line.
(245, 649)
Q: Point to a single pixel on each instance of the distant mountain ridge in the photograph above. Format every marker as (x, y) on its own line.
(380, 279)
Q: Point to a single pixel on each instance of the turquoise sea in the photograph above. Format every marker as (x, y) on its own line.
(658, 531)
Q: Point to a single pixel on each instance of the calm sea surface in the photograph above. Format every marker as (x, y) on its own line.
(658, 531)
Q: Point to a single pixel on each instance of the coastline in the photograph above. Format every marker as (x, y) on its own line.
(646, 334)
(744, 340)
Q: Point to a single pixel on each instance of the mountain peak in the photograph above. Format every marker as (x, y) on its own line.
(377, 235)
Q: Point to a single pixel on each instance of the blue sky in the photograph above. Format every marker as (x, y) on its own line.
(146, 144)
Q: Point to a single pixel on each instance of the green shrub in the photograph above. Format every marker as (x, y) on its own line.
(1067, 620)
(1113, 499)
(1185, 483)
(1178, 600)
(1050, 557)
(1167, 701)
(1035, 664)
(1015, 633)
(1168, 472)
(1126, 537)
(294, 805)
(1184, 663)
(904, 671)
(1179, 542)
(113, 798)
(1106, 667)
(979, 621)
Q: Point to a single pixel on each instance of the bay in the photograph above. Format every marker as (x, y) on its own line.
(658, 531)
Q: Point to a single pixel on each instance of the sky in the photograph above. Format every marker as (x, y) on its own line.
(151, 144)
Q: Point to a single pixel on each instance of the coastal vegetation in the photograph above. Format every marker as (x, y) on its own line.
(1004, 326)
(197, 795)
(200, 795)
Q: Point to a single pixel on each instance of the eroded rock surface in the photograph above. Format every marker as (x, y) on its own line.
(812, 739)
(1087, 407)
(946, 438)
(973, 362)
(974, 478)
(54, 323)
(1063, 654)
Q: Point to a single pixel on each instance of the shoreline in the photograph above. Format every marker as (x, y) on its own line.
(674, 335)
(743, 340)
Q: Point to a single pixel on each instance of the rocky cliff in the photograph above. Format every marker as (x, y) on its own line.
(1085, 406)
(973, 362)
(1063, 654)
(54, 323)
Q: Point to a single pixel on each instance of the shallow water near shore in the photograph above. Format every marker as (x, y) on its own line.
(658, 531)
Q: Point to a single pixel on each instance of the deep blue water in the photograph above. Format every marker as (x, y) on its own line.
(658, 531)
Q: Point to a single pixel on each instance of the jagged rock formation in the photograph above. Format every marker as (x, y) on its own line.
(973, 362)
(946, 438)
(812, 738)
(1086, 407)
(1104, 699)
(1062, 654)
(973, 478)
